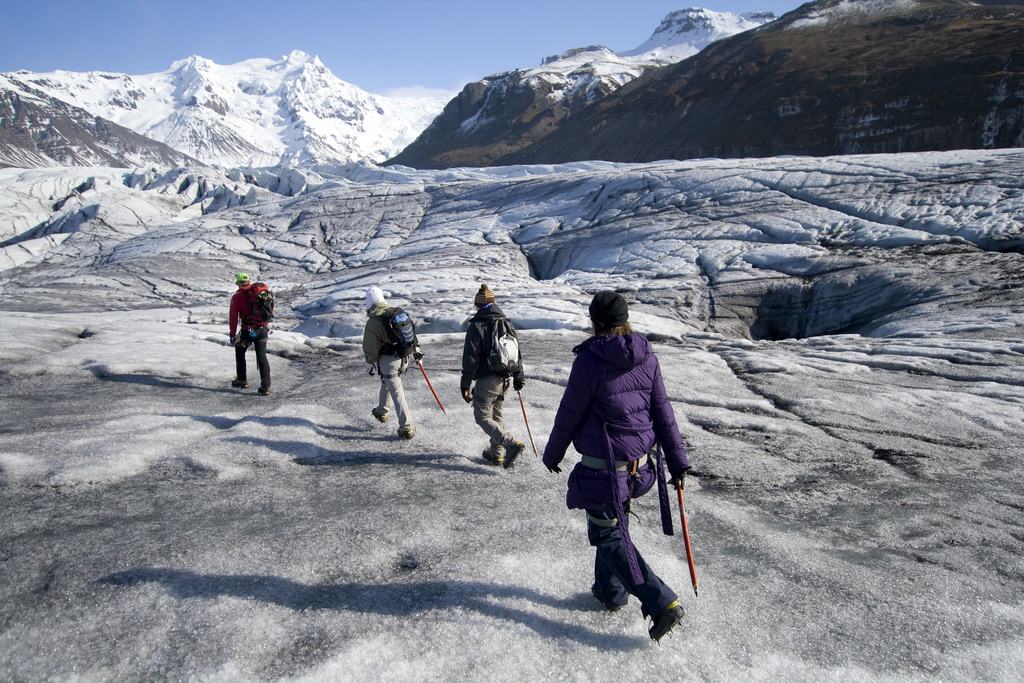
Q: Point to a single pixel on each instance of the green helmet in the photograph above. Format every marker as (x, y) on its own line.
(241, 277)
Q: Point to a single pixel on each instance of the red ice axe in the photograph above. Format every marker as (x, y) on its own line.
(686, 538)
(420, 363)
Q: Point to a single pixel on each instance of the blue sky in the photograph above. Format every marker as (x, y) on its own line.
(378, 45)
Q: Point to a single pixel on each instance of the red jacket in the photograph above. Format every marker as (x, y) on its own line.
(240, 310)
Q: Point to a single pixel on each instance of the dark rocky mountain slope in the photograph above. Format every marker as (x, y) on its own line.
(506, 112)
(39, 130)
(832, 77)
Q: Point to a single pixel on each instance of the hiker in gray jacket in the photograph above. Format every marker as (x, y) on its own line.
(381, 357)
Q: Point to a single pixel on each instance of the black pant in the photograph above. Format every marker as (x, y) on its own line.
(613, 580)
(260, 344)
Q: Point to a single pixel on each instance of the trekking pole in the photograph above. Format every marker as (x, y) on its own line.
(420, 363)
(523, 405)
(686, 538)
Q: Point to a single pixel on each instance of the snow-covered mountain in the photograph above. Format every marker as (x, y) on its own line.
(294, 111)
(504, 112)
(259, 112)
(842, 340)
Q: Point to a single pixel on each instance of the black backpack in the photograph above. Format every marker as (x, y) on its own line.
(261, 304)
(401, 333)
(503, 358)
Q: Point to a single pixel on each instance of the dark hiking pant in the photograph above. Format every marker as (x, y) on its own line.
(613, 582)
(260, 344)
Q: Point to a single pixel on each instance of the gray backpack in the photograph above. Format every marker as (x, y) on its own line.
(504, 356)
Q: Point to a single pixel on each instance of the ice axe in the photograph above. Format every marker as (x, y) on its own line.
(420, 363)
(686, 537)
(523, 406)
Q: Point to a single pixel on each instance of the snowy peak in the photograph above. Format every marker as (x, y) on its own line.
(686, 32)
(680, 35)
(698, 21)
(258, 112)
(586, 52)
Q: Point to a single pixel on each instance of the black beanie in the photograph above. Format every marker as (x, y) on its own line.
(608, 310)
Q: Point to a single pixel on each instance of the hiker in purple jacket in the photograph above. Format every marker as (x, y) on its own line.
(614, 411)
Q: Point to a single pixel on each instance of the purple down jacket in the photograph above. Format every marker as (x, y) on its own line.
(614, 407)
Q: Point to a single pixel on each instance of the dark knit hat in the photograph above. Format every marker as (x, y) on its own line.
(484, 296)
(608, 309)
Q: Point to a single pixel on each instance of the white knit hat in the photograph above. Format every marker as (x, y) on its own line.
(374, 295)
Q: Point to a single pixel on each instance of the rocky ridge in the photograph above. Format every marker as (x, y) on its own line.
(832, 77)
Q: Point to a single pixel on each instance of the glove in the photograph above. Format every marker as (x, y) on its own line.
(555, 469)
(679, 479)
(417, 356)
(518, 383)
(232, 340)
(467, 396)
(369, 368)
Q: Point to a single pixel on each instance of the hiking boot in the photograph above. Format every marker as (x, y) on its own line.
(608, 604)
(239, 383)
(512, 453)
(666, 619)
(381, 415)
(264, 391)
(407, 432)
(492, 459)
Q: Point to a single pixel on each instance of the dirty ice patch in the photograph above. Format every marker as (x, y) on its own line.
(158, 342)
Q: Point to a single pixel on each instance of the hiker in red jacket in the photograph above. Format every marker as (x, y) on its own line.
(251, 331)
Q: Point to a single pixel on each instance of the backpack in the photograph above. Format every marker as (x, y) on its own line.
(401, 332)
(503, 358)
(261, 304)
